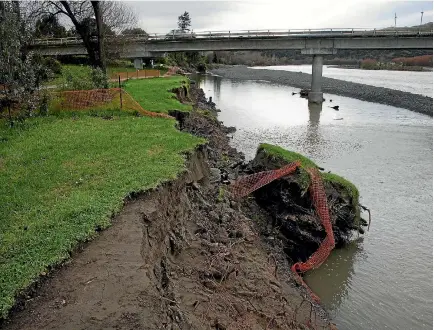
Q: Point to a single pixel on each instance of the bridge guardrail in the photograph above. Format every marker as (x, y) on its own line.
(305, 33)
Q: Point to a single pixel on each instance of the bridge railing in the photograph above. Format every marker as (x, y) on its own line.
(295, 33)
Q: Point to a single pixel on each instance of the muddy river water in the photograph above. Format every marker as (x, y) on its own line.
(384, 279)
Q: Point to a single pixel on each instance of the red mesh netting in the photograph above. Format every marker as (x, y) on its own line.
(99, 99)
(250, 183)
(147, 73)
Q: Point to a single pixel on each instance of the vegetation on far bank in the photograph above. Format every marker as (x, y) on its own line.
(416, 63)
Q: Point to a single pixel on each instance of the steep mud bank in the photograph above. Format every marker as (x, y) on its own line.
(184, 256)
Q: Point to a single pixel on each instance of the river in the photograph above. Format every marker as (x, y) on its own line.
(416, 82)
(383, 280)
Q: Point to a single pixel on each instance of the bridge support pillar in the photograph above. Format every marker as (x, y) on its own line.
(315, 94)
(138, 63)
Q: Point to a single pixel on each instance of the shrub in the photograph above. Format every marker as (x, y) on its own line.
(369, 64)
(85, 78)
(161, 60)
(53, 65)
(99, 78)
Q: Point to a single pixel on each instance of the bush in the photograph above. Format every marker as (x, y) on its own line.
(83, 78)
(201, 67)
(369, 64)
(53, 65)
(161, 60)
(99, 78)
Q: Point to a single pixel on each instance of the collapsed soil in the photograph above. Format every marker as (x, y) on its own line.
(184, 256)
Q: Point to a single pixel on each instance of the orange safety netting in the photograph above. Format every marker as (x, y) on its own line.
(147, 73)
(172, 70)
(250, 183)
(99, 99)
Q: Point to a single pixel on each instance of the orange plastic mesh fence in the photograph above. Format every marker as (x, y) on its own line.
(147, 73)
(84, 99)
(172, 70)
(97, 99)
(250, 183)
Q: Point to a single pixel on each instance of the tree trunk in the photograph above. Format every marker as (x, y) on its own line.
(93, 49)
(100, 29)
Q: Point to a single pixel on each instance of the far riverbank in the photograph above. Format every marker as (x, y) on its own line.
(414, 102)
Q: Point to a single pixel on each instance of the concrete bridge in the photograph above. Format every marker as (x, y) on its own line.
(314, 42)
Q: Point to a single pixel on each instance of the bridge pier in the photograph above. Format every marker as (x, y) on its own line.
(315, 94)
(138, 63)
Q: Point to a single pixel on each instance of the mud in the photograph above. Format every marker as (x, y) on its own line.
(184, 256)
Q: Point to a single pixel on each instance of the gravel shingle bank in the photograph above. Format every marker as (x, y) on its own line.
(414, 102)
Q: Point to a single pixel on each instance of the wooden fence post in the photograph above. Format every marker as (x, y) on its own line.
(120, 91)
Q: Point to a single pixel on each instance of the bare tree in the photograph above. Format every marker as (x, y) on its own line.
(117, 16)
(92, 20)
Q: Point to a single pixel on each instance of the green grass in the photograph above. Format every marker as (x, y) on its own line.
(350, 188)
(63, 177)
(291, 156)
(154, 94)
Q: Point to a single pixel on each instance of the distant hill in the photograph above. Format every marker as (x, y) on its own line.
(424, 27)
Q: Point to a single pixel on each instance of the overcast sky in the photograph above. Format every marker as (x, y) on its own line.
(162, 16)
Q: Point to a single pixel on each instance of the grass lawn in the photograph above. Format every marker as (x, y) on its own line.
(154, 94)
(63, 176)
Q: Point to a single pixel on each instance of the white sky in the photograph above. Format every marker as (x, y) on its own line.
(162, 16)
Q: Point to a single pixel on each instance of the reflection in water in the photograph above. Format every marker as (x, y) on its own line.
(335, 278)
(216, 87)
(387, 153)
(312, 141)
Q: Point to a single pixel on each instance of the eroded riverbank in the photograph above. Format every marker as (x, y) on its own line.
(182, 256)
(387, 153)
(413, 102)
